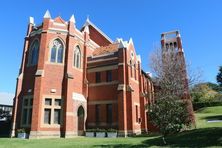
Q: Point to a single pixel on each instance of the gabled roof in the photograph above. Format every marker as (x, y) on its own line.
(106, 49)
(89, 23)
(58, 19)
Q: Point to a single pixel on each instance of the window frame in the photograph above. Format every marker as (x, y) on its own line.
(28, 107)
(109, 114)
(52, 44)
(97, 114)
(52, 108)
(137, 114)
(77, 57)
(98, 77)
(109, 77)
(31, 53)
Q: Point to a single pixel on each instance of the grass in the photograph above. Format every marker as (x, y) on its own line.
(205, 135)
(209, 113)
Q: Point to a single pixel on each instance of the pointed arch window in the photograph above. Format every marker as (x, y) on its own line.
(77, 57)
(57, 51)
(34, 53)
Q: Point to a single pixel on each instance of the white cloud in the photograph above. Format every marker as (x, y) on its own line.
(6, 98)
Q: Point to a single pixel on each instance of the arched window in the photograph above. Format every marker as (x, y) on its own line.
(34, 53)
(77, 57)
(57, 52)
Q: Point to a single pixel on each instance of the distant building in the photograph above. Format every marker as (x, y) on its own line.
(5, 112)
(71, 80)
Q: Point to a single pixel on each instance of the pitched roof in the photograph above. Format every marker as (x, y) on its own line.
(58, 19)
(106, 49)
(89, 23)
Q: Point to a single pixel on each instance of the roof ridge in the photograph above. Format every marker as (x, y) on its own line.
(88, 22)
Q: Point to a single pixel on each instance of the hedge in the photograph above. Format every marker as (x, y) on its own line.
(198, 105)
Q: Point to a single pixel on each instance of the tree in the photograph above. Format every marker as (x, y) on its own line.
(219, 76)
(215, 87)
(169, 115)
(173, 109)
(203, 92)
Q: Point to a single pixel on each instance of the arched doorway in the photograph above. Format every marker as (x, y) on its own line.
(81, 124)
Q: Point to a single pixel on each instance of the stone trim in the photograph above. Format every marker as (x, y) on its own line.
(121, 64)
(138, 104)
(39, 72)
(58, 29)
(70, 134)
(103, 68)
(69, 113)
(44, 134)
(102, 60)
(121, 87)
(102, 102)
(51, 107)
(102, 124)
(103, 83)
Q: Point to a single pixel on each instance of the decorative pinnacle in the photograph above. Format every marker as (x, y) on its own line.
(31, 20)
(86, 29)
(72, 19)
(47, 14)
(87, 19)
(131, 40)
(122, 44)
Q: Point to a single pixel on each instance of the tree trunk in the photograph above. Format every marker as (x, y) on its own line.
(164, 141)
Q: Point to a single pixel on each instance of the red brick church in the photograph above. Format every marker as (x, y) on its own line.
(71, 80)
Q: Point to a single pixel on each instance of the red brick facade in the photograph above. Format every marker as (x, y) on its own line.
(81, 79)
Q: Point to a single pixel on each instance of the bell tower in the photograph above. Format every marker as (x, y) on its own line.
(171, 43)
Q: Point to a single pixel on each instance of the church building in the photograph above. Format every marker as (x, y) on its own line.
(74, 79)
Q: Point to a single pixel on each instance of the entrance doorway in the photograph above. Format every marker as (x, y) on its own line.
(81, 123)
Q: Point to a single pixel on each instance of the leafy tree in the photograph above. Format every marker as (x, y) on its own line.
(169, 115)
(215, 87)
(219, 76)
(173, 107)
(203, 92)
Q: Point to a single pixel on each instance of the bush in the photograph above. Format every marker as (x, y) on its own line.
(96, 130)
(21, 130)
(90, 130)
(170, 115)
(198, 105)
(100, 130)
(111, 130)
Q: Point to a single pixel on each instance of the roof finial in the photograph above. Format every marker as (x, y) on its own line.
(87, 19)
(86, 29)
(72, 19)
(47, 14)
(122, 44)
(131, 40)
(31, 20)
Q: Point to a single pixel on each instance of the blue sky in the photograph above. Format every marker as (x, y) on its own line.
(199, 21)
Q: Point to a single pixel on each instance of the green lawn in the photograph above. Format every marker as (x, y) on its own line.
(205, 135)
(209, 113)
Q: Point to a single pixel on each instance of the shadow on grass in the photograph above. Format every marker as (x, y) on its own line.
(194, 138)
(217, 117)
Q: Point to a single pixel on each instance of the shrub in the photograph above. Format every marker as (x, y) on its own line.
(90, 130)
(21, 130)
(100, 130)
(111, 130)
(198, 105)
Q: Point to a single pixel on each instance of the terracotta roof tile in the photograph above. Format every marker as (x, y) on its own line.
(106, 49)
